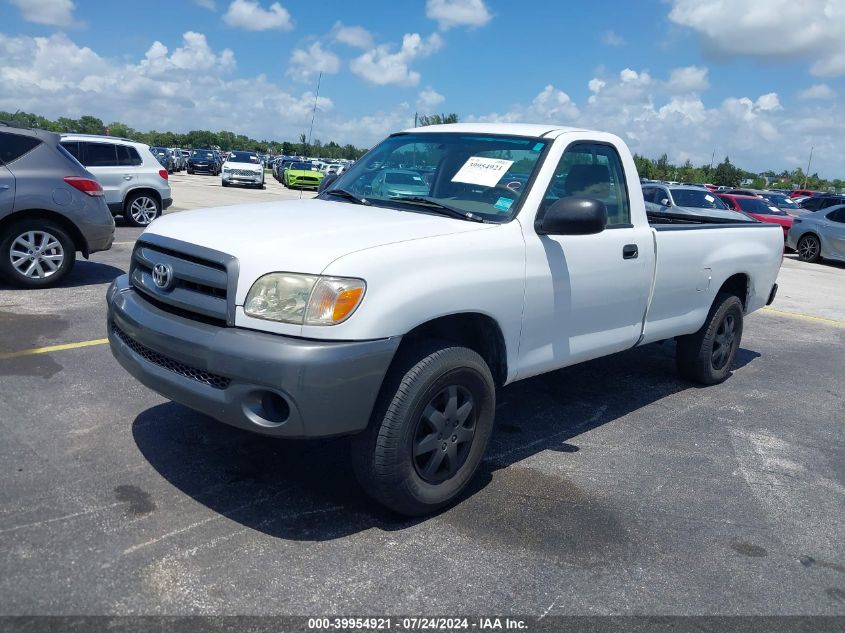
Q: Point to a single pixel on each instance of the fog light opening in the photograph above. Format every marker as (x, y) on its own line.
(267, 408)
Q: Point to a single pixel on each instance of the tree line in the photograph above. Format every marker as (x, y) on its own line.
(223, 140)
(729, 175)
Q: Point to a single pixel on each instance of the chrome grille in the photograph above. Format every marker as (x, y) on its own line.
(198, 288)
(170, 364)
(244, 172)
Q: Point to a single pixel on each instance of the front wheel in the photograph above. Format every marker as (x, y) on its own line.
(430, 428)
(809, 248)
(36, 254)
(706, 356)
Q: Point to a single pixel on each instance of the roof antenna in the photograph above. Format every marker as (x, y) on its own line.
(313, 114)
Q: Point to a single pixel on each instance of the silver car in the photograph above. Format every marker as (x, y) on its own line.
(819, 235)
(134, 182)
(396, 183)
(50, 208)
(680, 200)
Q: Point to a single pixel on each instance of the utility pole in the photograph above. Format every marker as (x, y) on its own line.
(415, 119)
(712, 157)
(314, 111)
(807, 173)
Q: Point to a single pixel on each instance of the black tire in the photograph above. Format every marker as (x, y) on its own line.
(190, 173)
(223, 183)
(406, 419)
(35, 231)
(141, 208)
(809, 248)
(706, 357)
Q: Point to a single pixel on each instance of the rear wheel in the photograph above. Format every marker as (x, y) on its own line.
(809, 248)
(429, 431)
(140, 209)
(36, 254)
(706, 356)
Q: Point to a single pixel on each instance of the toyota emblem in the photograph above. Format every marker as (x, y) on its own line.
(162, 276)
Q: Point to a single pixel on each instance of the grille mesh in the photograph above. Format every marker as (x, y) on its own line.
(170, 364)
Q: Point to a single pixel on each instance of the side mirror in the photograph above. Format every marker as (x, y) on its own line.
(574, 215)
(325, 182)
(666, 202)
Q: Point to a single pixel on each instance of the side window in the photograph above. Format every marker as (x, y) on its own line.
(592, 170)
(661, 194)
(837, 216)
(100, 155)
(73, 148)
(127, 156)
(648, 194)
(13, 146)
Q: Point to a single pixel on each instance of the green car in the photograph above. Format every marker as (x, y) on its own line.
(302, 176)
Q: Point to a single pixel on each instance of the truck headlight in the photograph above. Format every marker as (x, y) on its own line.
(304, 299)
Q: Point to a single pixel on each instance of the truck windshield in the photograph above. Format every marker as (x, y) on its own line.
(483, 175)
(697, 199)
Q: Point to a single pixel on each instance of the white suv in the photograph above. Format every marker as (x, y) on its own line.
(134, 183)
(243, 168)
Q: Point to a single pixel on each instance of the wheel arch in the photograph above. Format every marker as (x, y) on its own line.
(739, 286)
(79, 241)
(475, 330)
(141, 189)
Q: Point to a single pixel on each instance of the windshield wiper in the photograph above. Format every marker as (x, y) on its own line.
(443, 209)
(343, 193)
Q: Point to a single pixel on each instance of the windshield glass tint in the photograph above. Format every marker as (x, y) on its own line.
(302, 166)
(758, 205)
(482, 174)
(699, 199)
(201, 154)
(780, 200)
(243, 157)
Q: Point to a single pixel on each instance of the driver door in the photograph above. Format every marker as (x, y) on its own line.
(586, 295)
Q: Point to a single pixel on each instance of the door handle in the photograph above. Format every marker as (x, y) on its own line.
(3, 187)
(630, 251)
(127, 176)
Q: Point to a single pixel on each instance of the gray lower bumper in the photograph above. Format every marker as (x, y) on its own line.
(270, 384)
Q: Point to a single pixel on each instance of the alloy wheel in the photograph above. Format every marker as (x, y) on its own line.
(723, 342)
(36, 254)
(444, 434)
(808, 248)
(143, 210)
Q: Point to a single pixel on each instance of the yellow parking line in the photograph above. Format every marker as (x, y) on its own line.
(805, 317)
(52, 348)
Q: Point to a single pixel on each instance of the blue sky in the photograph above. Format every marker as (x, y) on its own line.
(759, 80)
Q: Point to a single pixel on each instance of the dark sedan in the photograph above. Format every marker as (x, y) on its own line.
(203, 161)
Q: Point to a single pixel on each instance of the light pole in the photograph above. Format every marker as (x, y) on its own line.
(807, 173)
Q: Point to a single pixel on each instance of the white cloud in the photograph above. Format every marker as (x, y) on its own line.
(429, 99)
(304, 64)
(382, 67)
(355, 36)
(809, 30)
(768, 101)
(818, 91)
(688, 79)
(52, 12)
(194, 54)
(250, 15)
(452, 13)
(611, 38)
(632, 76)
(206, 4)
(551, 105)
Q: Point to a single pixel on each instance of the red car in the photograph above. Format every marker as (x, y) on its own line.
(803, 192)
(759, 209)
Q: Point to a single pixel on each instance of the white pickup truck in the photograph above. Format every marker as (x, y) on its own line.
(498, 253)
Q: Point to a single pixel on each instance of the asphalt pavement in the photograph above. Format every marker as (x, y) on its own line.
(611, 487)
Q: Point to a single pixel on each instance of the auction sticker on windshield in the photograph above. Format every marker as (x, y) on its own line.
(479, 170)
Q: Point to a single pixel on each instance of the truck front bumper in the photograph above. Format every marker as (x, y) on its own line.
(266, 383)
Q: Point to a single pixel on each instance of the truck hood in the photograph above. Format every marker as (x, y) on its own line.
(302, 236)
